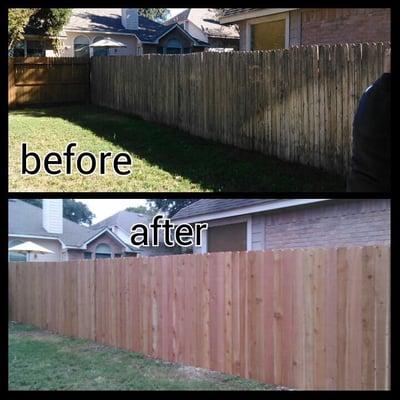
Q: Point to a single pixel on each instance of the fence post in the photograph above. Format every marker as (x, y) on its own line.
(11, 83)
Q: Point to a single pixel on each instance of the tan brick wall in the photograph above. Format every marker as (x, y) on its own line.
(344, 25)
(332, 223)
(105, 238)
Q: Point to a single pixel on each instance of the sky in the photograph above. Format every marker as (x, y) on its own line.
(104, 208)
(174, 11)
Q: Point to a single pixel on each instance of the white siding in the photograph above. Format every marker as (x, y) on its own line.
(258, 232)
(130, 41)
(53, 245)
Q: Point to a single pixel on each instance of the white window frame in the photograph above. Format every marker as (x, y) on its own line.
(230, 221)
(73, 44)
(269, 18)
(103, 244)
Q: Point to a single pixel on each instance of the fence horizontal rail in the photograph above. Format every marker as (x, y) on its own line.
(303, 318)
(47, 80)
(296, 104)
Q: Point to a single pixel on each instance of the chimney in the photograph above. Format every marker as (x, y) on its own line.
(52, 215)
(130, 18)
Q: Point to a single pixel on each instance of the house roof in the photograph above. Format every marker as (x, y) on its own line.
(209, 209)
(26, 219)
(207, 20)
(235, 11)
(109, 20)
(123, 219)
(234, 15)
(210, 206)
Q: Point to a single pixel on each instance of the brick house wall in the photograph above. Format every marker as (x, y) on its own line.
(332, 223)
(344, 25)
(332, 26)
(75, 255)
(105, 238)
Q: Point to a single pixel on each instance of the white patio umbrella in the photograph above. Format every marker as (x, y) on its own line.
(107, 43)
(29, 248)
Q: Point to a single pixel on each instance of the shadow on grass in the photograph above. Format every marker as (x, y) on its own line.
(214, 166)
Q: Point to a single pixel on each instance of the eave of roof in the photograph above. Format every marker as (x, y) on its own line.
(248, 13)
(251, 209)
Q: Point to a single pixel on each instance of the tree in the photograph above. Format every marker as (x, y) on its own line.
(18, 19)
(154, 13)
(146, 210)
(44, 21)
(78, 212)
(170, 206)
(73, 210)
(50, 21)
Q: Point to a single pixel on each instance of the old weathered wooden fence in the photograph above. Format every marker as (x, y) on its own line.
(305, 318)
(44, 80)
(297, 104)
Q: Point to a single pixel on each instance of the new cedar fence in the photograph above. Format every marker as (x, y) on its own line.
(47, 81)
(296, 104)
(304, 318)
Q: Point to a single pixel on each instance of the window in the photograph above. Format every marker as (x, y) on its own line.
(99, 51)
(34, 48)
(103, 251)
(19, 257)
(81, 46)
(173, 46)
(117, 255)
(232, 237)
(88, 255)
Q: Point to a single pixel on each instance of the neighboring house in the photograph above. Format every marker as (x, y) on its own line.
(66, 239)
(259, 224)
(121, 223)
(140, 35)
(275, 28)
(203, 24)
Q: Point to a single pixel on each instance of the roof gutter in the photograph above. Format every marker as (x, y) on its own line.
(279, 204)
(229, 19)
(39, 237)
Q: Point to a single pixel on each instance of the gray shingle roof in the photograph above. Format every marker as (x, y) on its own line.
(124, 219)
(209, 206)
(26, 219)
(109, 20)
(205, 19)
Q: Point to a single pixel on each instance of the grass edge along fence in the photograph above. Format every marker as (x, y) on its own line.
(302, 318)
(296, 104)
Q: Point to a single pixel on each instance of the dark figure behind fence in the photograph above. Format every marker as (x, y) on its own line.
(370, 164)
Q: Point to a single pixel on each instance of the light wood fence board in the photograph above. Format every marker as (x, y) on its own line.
(304, 318)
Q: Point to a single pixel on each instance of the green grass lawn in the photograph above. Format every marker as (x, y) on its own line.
(39, 360)
(164, 159)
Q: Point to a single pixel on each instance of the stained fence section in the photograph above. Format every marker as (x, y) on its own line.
(47, 81)
(303, 318)
(296, 104)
